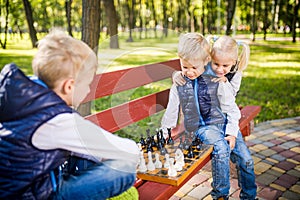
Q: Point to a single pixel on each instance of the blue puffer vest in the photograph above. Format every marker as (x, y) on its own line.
(203, 109)
(24, 107)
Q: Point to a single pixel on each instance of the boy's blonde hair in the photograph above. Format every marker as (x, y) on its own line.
(193, 46)
(226, 45)
(60, 56)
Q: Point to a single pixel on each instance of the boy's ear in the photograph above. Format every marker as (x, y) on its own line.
(208, 58)
(68, 86)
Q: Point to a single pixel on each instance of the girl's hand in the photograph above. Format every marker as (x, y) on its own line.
(220, 79)
(231, 140)
(178, 78)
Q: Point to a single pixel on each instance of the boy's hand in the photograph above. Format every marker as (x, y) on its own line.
(231, 140)
(178, 78)
(221, 79)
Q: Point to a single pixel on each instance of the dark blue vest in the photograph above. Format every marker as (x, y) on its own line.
(25, 106)
(200, 103)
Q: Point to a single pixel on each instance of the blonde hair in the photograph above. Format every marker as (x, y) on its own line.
(60, 56)
(193, 46)
(226, 45)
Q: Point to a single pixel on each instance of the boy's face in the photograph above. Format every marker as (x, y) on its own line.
(192, 68)
(82, 87)
(221, 64)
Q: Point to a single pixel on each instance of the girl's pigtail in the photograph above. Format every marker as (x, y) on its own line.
(244, 56)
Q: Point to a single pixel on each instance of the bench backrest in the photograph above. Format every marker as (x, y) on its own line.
(120, 116)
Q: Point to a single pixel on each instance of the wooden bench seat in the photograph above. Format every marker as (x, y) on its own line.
(120, 116)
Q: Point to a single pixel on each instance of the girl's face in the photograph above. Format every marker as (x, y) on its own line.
(221, 64)
(192, 68)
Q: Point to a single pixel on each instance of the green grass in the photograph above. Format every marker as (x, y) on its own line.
(271, 79)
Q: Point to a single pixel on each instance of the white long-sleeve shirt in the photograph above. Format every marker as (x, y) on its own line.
(227, 104)
(70, 131)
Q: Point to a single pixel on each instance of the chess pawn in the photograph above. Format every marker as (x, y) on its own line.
(190, 152)
(157, 163)
(179, 158)
(150, 165)
(142, 141)
(170, 140)
(167, 161)
(172, 171)
(142, 164)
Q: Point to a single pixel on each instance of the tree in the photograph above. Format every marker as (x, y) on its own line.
(295, 17)
(112, 19)
(90, 35)
(68, 4)
(3, 44)
(32, 31)
(253, 19)
(230, 13)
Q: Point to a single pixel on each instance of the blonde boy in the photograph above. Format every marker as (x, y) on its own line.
(39, 130)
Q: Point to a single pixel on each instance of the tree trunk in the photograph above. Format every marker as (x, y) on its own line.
(295, 17)
(32, 31)
(165, 19)
(253, 20)
(113, 23)
(68, 4)
(154, 17)
(90, 35)
(230, 13)
(3, 44)
(266, 20)
(130, 19)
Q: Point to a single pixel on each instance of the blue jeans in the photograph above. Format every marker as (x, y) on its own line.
(96, 181)
(221, 156)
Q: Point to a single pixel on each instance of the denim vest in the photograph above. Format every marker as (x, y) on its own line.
(200, 103)
(25, 106)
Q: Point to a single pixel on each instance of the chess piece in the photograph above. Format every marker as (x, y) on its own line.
(172, 171)
(142, 141)
(167, 161)
(190, 152)
(170, 140)
(179, 158)
(180, 146)
(150, 165)
(186, 142)
(157, 163)
(142, 164)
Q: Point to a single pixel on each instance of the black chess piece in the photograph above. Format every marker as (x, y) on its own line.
(170, 140)
(180, 146)
(190, 153)
(163, 151)
(142, 141)
(153, 143)
(163, 140)
(186, 142)
(194, 141)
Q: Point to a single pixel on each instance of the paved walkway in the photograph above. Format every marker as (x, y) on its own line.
(275, 147)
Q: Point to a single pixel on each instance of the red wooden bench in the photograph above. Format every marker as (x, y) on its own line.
(120, 116)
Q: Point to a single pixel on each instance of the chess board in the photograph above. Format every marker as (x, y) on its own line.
(161, 175)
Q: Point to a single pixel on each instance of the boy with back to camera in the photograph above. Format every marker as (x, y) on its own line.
(39, 130)
(210, 112)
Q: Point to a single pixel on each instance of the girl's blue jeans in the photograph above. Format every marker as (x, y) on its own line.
(96, 181)
(221, 156)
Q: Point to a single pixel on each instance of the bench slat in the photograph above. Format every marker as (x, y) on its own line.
(117, 81)
(120, 116)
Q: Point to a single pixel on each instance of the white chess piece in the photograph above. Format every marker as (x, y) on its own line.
(142, 164)
(150, 164)
(172, 171)
(167, 161)
(179, 158)
(157, 163)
